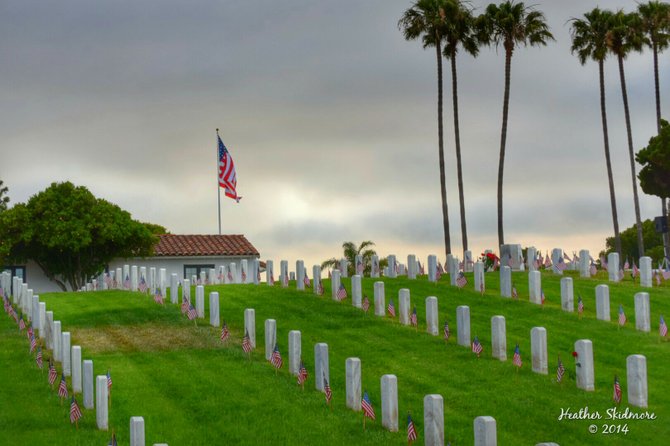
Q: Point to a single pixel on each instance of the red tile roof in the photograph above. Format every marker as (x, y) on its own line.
(203, 245)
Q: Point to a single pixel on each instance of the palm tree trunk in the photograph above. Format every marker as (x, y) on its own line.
(443, 186)
(636, 200)
(610, 177)
(454, 94)
(503, 139)
(664, 208)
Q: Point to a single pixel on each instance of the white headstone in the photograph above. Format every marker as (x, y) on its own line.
(42, 319)
(76, 369)
(174, 288)
(645, 272)
(433, 420)
(374, 266)
(143, 273)
(485, 431)
(126, 274)
(335, 283)
(531, 255)
(389, 387)
(211, 277)
(432, 316)
(538, 349)
(404, 305)
(35, 312)
(316, 278)
(480, 281)
(200, 301)
(152, 278)
(468, 262)
(498, 338)
(603, 302)
(49, 328)
(283, 272)
(535, 287)
(66, 352)
(88, 384)
(505, 281)
(356, 291)
(353, 384)
(463, 325)
(556, 257)
(29, 303)
(101, 396)
(136, 431)
(584, 365)
(134, 281)
(391, 266)
(300, 273)
(250, 325)
(567, 296)
(294, 352)
(642, 317)
(269, 272)
(584, 263)
(232, 268)
(321, 369)
(270, 337)
(119, 278)
(214, 317)
(380, 299)
(432, 268)
(186, 290)
(202, 278)
(613, 266)
(57, 342)
(411, 267)
(636, 377)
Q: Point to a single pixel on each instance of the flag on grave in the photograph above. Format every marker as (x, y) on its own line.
(192, 313)
(227, 174)
(33, 344)
(446, 331)
(244, 276)
(29, 332)
(38, 358)
(143, 285)
(461, 281)
(580, 305)
(126, 282)
(411, 430)
(593, 270)
(420, 266)
(663, 328)
(319, 288)
(52, 372)
(326, 390)
(516, 360)
(306, 281)
(603, 263)
(302, 373)
(276, 359)
(616, 394)
(62, 387)
(439, 268)
(477, 346)
(626, 265)
(622, 316)
(561, 266)
(359, 267)
(390, 308)
(635, 270)
(158, 296)
(246, 342)
(184, 304)
(560, 371)
(341, 292)
(542, 297)
(225, 334)
(366, 405)
(113, 442)
(230, 276)
(413, 319)
(366, 304)
(22, 324)
(515, 294)
(284, 279)
(547, 261)
(75, 413)
(272, 277)
(109, 381)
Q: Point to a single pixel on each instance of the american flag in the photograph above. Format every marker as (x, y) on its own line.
(516, 359)
(33, 344)
(230, 276)
(319, 288)
(126, 282)
(143, 285)
(302, 373)
(246, 342)
(580, 305)
(272, 277)
(390, 308)
(366, 304)
(477, 347)
(225, 334)
(663, 328)
(192, 313)
(616, 394)
(566, 257)
(29, 332)
(341, 292)
(359, 267)
(113, 442)
(547, 261)
(603, 262)
(38, 358)
(326, 390)
(158, 296)
(411, 429)
(560, 371)
(635, 271)
(109, 381)
(227, 174)
(306, 281)
(184, 304)
(275, 359)
(438, 274)
(421, 270)
(368, 410)
(22, 324)
(461, 281)
(62, 387)
(515, 294)
(561, 266)
(593, 270)
(622, 316)
(666, 273)
(413, 319)
(626, 265)
(75, 413)
(446, 331)
(540, 258)
(542, 297)
(439, 268)
(244, 276)
(52, 373)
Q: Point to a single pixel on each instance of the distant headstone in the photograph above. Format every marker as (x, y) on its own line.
(636, 378)
(463, 325)
(35, 312)
(294, 351)
(152, 278)
(404, 305)
(498, 338)
(485, 431)
(66, 352)
(232, 269)
(505, 281)
(584, 263)
(642, 317)
(283, 272)
(567, 296)
(316, 278)
(57, 342)
(269, 272)
(292, 275)
(321, 369)
(511, 255)
(211, 277)
(49, 328)
(584, 365)
(432, 316)
(613, 266)
(136, 431)
(270, 337)
(645, 272)
(214, 317)
(433, 420)
(134, 281)
(250, 325)
(119, 278)
(389, 392)
(374, 266)
(88, 383)
(380, 299)
(468, 262)
(480, 281)
(344, 270)
(186, 290)
(300, 272)
(538, 349)
(531, 255)
(535, 287)
(411, 267)
(335, 283)
(200, 301)
(244, 271)
(101, 401)
(353, 384)
(174, 288)
(76, 369)
(42, 319)
(556, 258)
(432, 268)
(356, 291)
(391, 266)
(603, 302)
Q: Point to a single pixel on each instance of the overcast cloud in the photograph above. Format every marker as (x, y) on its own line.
(329, 114)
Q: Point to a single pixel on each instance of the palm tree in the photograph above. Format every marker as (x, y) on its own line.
(458, 31)
(510, 24)
(589, 42)
(655, 22)
(4, 200)
(623, 36)
(350, 251)
(425, 19)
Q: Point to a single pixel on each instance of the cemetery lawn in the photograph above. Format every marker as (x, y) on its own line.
(192, 389)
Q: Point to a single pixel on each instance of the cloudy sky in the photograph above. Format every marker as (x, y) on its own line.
(330, 117)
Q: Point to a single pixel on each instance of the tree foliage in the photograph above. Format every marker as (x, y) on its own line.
(4, 199)
(350, 251)
(653, 243)
(71, 234)
(655, 161)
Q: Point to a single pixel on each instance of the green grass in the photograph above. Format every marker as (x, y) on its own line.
(191, 389)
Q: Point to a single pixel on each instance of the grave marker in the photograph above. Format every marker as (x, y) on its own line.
(389, 392)
(584, 365)
(214, 317)
(76, 369)
(250, 325)
(269, 272)
(432, 268)
(636, 373)
(88, 383)
(433, 420)
(380, 299)
(463, 325)
(356, 291)
(403, 297)
(645, 272)
(66, 352)
(505, 281)
(432, 324)
(294, 351)
(603, 302)
(353, 384)
(200, 301)
(498, 338)
(538, 348)
(485, 431)
(101, 414)
(642, 317)
(270, 337)
(567, 296)
(136, 431)
(300, 272)
(335, 283)
(613, 266)
(321, 369)
(174, 288)
(535, 287)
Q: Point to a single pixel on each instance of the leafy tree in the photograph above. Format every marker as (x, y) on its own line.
(623, 36)
(458, 32)
(350, 251)
(425, 20)
(156, 229)
(510, 24)
(71, 234)
(652, 240)
(4, 199)
(589, 41)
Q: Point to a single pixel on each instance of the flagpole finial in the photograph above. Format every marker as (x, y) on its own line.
(217, 131)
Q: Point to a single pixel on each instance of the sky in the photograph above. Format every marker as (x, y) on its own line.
(330, 117)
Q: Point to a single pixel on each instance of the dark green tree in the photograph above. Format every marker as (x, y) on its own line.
(350, 251)
(589, 42)
(510, 24)
(4, 199)
(71, 234)
(652, 240)
(425, 20)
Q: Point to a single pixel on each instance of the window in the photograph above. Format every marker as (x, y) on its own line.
(194, 270)
(18, 271)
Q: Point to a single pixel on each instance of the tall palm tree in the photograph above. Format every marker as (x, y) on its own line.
(425, 20)
(458, 32)
(623, 36)
(655, 22)
(510, 24)
(589, 43)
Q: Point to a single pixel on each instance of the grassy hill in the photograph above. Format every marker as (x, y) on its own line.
(192, 389)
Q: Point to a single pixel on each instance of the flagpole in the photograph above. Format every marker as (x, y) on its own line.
(218, 188)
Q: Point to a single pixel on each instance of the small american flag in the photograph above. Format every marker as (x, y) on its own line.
(244, 276)
(561, 265)
(75, 413)
(438, 275)
(184, 305)
(439, 268)
(62, 388)
(616, 394)
(413, 319)
(547, 261)
(390, 308)
(143, 285)
(515, 294)
(225, 334)
(126, 282)
(580, 305)
(109, 381)
(626, 265)
(341, 292)
(158, 296)
(663, 328)
(560, 371)
(326, 390)
(38, 358)
(52, 373)
(276, 359)
(621, 275)
(192, 313)
(302, 373)
(542, 297)
(230, 276)
(366, 304)
(603, 262)
(368, 410)
(29, 332)
(446, 331)
(477, 347)
(622, 316)
(319, 288)
(592, 269)
(566, 257)
(108, 280)
(421, 270)
(516, 359)
(306, 281)
(22, 324)
(246, 342)
(411, 429)
(33, 344)
(113, 442)
(461, 281)
(272, 278)
(635, 271)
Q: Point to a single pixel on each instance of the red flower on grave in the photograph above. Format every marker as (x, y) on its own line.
(575, 354)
